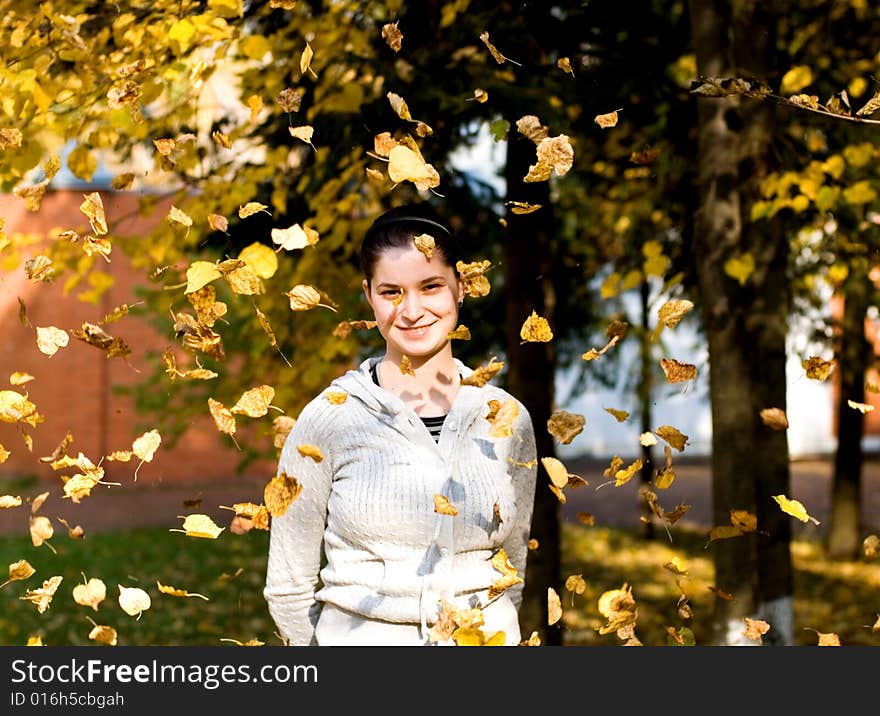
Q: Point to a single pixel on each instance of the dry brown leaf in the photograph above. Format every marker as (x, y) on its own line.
(678, 372)
(392, 35)
(565, 426)
(280, 492)
(817, 368)
(755, 629)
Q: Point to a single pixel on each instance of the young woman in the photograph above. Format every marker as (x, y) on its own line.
(397, 526)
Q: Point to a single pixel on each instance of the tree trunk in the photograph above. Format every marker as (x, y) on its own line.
(645, 391)
(531, 369)
(745, 324)
(853, 356)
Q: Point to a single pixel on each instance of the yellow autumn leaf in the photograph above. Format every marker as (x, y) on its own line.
(312, 451)
(251, 208)
(556, 470)
(199, 525)
(392, 35)
(861, 407)
(218, 222)
(672, 436)
(535, 329)
(41, 529)
(294, 237)
(146, 445)
(50, 339)
(425, 243)
(817, 368)
(260, 259)
(502, 425)
(305, 60)
(42, 597)
(677, 372)
(623, 476)
(442, 506)
(103, 634)
(606, 120)
(280, 492)
(740, 267)
(554, 606)
(91, 593)
(7, 502)
(336, 397)
(672, 311)
(254, 402)
(223, 418)
(199, 274)
(565, 426)
(174, 592)
(303, 133)
(796, 79)
(133, 600)
(794, 508)
(93, 208)
(22, 569)
(619, 415)
(406, 165)
(774, 418)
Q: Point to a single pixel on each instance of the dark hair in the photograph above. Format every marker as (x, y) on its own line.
(397, 227)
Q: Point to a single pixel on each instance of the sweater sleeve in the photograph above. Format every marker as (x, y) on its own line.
(296, 538)
(522, 469)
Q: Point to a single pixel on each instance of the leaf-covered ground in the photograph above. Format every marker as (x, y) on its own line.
(843, 598)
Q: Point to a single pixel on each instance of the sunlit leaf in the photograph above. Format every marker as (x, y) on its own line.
(199, 525)
(442, 506)
(134, 601)
(794, 508)
(42, 597)
(280, 492)
(91, 593)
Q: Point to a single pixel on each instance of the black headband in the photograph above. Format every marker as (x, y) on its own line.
(381, 223)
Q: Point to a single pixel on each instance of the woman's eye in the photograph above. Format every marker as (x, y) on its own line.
(432, 286)
(390, 292)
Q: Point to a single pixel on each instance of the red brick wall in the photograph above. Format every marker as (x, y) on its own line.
(72, 388)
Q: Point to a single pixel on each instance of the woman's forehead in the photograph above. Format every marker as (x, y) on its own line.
(401, 264)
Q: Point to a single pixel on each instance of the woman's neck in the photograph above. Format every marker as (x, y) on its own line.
(428, 387)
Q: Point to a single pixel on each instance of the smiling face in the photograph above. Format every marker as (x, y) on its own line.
(418, 325)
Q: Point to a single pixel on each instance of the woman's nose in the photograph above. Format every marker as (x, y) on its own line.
(411, 305)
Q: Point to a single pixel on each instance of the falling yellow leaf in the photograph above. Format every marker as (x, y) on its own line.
(50, 339)
(103, 634)
(9, 501)
(199, 525)
(740, 267)
(619, 415)
(39, 268)
(91, 593)
(42, 597)
(554, 606)
(254, 402)
(93, 208)
(556, 470)
(20, 378)
(606, 120)
(19, 570)
(303, 297)
(336, 397)
(133, 600)
(535, 329)
(305, 60)
(146, 445)
(647, 439)
(502, 425)
(564, 64)
(623, 476)
(817, 368)
(565, 426)
(425, 243)
(40, 529)
(294, 237)
(481, 95)
(199, 274)
(442, 506)
(179, 216)
(406, 366)
(501, 562)
(251, 208)
(672, 436)
(312, 451)
(672, 311)
(472, 274)
(392, 35)
(774, 418)
(678, 372)
(861, 407)
(218, 222)
(163, 589)
(555, 154)
(483, 374)
(303, 133)
(406, 165)
(223, 418)
(461, 332)
(280, 492)
(755, 629)
(871, 546)
(260, 259)
(499, 58)
(794, 508)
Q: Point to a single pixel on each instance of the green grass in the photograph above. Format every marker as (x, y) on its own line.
(229, 570)
(839, 597)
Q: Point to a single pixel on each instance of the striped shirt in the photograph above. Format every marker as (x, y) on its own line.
(434, 424)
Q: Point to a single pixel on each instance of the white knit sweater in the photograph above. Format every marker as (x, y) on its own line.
(364, 535)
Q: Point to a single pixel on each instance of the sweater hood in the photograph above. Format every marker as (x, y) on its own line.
(359, 383)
